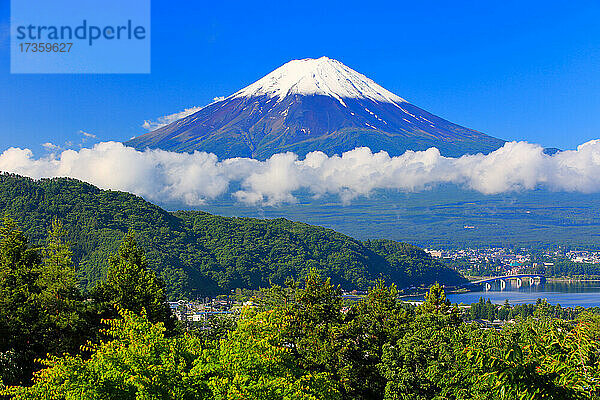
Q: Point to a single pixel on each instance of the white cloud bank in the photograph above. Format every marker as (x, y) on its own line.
(168, 177)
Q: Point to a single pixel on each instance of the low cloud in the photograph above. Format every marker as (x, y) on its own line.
(167, 119)
(194, 179)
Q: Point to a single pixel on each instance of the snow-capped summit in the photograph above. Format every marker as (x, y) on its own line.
(313, 104)
(321, 76)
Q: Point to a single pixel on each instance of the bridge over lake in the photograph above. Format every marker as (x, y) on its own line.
(534, 279)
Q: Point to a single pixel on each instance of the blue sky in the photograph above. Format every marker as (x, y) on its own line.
(515, 70)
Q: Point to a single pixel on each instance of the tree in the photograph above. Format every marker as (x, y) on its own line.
(41, 307)
(60, 297)
(314, 318)
(435, 300)
(535, 359)
(131, 285)
(21, 330)
(255, 362)
(370, 324)
(426, 362)
(136, 362)
(277, 296)
(504, 312)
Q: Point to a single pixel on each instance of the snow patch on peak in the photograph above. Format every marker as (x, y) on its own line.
(321, 76)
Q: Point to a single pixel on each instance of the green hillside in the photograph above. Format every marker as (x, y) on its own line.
(200, 254)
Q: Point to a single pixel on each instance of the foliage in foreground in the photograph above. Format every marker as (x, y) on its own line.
(140, 362)
(299, 342)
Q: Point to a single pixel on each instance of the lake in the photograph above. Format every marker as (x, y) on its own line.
(567, 294)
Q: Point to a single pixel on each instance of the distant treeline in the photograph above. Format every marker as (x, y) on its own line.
(566, 268)
(541, 309)
(199, 254)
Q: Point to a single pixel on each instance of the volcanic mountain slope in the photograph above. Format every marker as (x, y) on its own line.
(313, 104)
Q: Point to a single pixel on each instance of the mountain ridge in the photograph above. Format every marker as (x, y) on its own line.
(199, 254)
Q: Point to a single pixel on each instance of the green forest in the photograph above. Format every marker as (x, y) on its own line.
(198, 254)
(300, 340)
(85, 275)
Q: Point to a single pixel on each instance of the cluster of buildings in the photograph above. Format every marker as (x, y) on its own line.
(506, 261)
(509, 256)
(493, 254)
(198, 313)
(589, 257)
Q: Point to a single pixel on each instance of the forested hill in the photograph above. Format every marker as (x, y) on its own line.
(200, 254)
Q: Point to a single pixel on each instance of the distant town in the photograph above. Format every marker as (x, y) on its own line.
(507, 261)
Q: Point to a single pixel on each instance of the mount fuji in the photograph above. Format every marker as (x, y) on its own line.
(313, 104)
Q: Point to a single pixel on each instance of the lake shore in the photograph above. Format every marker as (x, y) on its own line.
(558, 279)
(567, 279)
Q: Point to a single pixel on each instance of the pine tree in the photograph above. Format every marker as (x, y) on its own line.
(435, 300)
(41, 307)
(313, 318)
(20, 314)
(375, 320)
(131, 285)
(60, 297)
